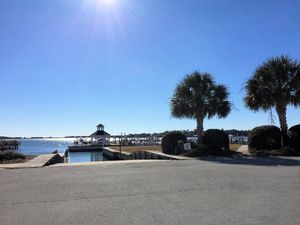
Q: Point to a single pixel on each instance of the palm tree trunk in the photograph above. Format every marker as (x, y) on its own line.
(281, 111)
(200, 128)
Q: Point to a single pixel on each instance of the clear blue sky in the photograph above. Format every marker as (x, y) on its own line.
(67, 65)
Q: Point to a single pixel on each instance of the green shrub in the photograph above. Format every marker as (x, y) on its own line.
(170, 142)
(284, 151)
(205, 150)
(294, 137)
(194, 145)
(10, 155)
(289, 151)
(216, 139)
(264, 138)
(200, 150)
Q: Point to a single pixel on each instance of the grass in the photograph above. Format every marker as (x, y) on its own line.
(133, 149)
(7, 157)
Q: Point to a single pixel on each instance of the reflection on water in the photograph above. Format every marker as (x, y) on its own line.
(44, 146)
(85, 156)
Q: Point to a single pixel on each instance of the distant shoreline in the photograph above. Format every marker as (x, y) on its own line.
(188, 133)
(17, 138)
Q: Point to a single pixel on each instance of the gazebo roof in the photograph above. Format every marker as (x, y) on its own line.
(100, 125)
(100, 133)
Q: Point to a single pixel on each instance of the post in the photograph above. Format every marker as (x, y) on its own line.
(121, 144)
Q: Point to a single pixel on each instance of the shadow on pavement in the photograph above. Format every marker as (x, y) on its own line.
(255, 161)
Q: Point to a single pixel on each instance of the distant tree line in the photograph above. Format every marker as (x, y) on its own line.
(5, 137)
(187, 133)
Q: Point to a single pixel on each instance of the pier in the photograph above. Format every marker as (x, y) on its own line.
(9, 145)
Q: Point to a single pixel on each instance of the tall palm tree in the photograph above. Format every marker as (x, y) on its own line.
(274, 84)
(197, 96)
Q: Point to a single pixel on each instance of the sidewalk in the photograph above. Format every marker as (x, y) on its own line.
(244, 150)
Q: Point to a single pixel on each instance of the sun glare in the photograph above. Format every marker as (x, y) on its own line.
(109, 2)
(102, 4)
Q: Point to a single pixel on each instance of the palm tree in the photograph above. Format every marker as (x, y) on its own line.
(197, 96)
(274, 84)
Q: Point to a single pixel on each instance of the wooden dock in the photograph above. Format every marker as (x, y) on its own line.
(9, 145)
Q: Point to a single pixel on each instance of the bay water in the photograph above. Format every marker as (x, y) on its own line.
(48, 145)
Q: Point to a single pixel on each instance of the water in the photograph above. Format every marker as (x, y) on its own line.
(44, 146)
(48, 145)
(86, 156)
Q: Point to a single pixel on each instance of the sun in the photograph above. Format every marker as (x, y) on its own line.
(109, 2)
(102, 5)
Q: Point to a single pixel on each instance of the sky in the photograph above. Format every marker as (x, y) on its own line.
(68, 65)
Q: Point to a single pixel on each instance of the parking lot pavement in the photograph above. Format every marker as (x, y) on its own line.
(209, 191)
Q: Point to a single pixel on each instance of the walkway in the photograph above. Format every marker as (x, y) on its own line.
(244, 150)
(37, 162)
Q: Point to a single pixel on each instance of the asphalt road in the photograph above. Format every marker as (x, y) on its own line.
(210, 191)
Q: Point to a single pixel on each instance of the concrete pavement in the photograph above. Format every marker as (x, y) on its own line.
(209, 191)
(244, 150)
(37, 162)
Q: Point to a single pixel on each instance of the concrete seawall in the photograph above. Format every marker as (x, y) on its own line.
(84, 148)
(113, 154)
(109, 153)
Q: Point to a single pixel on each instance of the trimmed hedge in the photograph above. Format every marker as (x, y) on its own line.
(294, 137)
(170, 142)
(264, 138)
(216, 138)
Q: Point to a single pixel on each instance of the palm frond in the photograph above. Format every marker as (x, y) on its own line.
(276, 81)
(198, 94)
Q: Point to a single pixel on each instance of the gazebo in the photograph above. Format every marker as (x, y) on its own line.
(100, 136)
